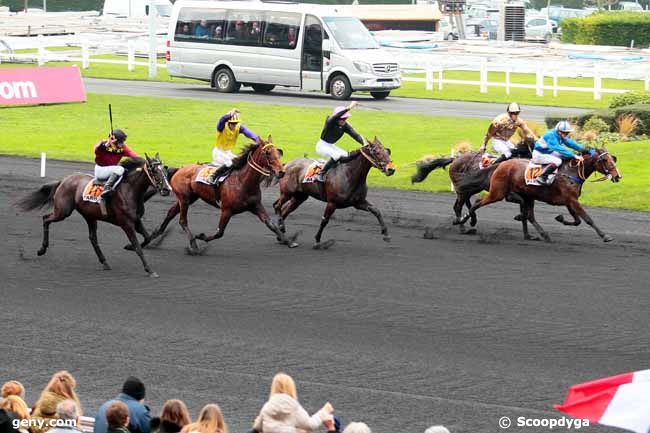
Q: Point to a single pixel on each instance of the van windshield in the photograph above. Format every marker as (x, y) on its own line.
(350, 33)
(164, 10)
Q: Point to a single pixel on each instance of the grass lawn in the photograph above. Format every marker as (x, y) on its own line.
(182, 130)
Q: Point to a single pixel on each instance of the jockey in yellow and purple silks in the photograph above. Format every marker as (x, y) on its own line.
(229, 127)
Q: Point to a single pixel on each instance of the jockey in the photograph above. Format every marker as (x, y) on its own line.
(228, 129)
(335, 126)
(553, 146)
(501, 130)
(107, 157)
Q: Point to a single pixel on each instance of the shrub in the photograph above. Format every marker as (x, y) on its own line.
(537, 129)
(606, 115)
(630, 98)
(627, 124)
(596, 124)
(608, 28)
(552, 120)
(641, 112)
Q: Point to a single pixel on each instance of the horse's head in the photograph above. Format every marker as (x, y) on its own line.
(157, 174)
(379, 156)
(269, 157)
(606, 164)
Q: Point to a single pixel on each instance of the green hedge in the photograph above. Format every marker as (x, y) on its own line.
(609, 116)
(630, 98)
(608, 28)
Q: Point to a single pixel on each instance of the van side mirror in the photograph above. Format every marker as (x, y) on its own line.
(327, 45)
(146, 10)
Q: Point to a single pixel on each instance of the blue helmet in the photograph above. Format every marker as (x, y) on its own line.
(563, 126)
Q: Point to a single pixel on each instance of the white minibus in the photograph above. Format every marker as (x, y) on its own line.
(266, 44)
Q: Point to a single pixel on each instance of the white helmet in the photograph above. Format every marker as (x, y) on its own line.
(563, 126)
(513, 108)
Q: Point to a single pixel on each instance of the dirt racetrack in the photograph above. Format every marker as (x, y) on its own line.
(457, 330)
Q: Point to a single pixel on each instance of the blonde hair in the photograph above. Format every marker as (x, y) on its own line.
(175, 411)
(13, 388)
(15, 404)
(63, 384)
(284, 384)
(357, 427)
(210, 421)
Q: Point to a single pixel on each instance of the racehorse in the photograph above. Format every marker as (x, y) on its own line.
(467, 163)
(345, 186)
(124, 208)
(508, 177)
(239, 192)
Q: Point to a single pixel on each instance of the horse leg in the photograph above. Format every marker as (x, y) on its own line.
(140, 228)
(492, 197)
(129, 229)
(365, 206)
(92, 235)
(59, 214)
(226, 214)
(329, 210)
(531, 217)
(473, 220)
(294, 203)
(183, 208)
(513, 197)
(523, 209)
(575, 207)
(576, 219)
(264, 217)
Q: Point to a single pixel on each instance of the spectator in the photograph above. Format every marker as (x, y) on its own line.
(437, 429)
(13, 388)
(117, 417)
(283, 412)
(68, 414)
(357, 427)
(16, 408)
(218, 33)
(291, 36)
(210, 421)
(132, 394)
(185, 30)
(255, 31)
(239, 34)
(201, 30)
(173, 417)
(61, 387)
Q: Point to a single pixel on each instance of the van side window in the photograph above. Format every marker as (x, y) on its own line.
(200, 25)
(282, 30)
(245, 27)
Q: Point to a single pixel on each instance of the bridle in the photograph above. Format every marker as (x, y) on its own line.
(581, 168)
(145, 168)
(255, 166)
(370, 159)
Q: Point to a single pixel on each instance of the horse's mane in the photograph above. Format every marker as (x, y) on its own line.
(240, 161)
(131, 163)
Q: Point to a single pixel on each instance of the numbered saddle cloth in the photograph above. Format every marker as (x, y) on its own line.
(313, 169)
(532, 173)
(93, 191)
(203, 176)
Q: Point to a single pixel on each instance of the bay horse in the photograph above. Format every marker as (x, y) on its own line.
(463, 165)
(239, 192)
(345, 186)
(508, 177)
(124, 208)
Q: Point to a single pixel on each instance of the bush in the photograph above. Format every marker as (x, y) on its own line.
(552, 120)
(596, 124)
(641, 112)
(630, 98)
(608, 28)
(606, 115)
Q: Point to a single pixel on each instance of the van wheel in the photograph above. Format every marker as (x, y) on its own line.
(263, 88)
(380, 95)
(340, 87)
(224, 81)
(547, 38)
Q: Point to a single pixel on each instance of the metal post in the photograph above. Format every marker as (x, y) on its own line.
(41, 50)
(539, 85)
(597, 84)
(484, 75)
(85, 56)
(131, 55)
(508, 81)
(153, 47)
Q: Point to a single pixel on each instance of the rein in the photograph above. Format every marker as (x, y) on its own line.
(255, 166)
(372, 162)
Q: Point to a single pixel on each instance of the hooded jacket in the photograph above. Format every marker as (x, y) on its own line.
(283, 414)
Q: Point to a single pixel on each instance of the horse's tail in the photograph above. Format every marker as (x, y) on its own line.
(426, 167)
(44, 196)
(477, 181)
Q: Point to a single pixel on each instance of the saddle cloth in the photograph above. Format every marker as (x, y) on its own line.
(532, 173)
(313, 169)
(92, 191)
(486, 161)
(203, 176)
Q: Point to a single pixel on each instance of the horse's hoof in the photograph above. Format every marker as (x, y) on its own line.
(607, 238)
(472, 223)
(41, 251)
(107, 267)
(324, 245)
(559, 218)
(547, 238)
(153, 275)
(429, 233)
(531, 238)
(201, 237)
(128, 247)
(387, 238)
(470, 232)
(518, 217)
(293, 244)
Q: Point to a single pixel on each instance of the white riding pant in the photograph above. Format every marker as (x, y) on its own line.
(103, 173)
(546, 158)
(504, 147)
(329, 150)
(222, 157)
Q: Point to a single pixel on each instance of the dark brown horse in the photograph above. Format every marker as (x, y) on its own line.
(345, 187)
(124, 209)
(463, 165)
(508, 177)
(238, 193)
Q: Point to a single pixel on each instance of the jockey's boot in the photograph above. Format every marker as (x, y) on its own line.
(322, 175)
(214, 177)
(109, 186)
(543, 177)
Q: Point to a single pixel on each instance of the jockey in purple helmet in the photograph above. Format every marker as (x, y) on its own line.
(335, 126)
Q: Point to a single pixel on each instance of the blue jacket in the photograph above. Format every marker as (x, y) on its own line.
(139, 416)
(552, 142)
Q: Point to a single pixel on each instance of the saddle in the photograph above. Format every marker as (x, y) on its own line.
(486, 161)
(93, 190)
(532, 173)
(314, 168)
(204, 175)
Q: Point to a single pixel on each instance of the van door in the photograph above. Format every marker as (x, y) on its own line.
(311, 65)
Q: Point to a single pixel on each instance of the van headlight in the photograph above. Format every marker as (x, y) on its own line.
(363, 67)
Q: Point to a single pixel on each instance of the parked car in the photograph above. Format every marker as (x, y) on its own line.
(539, 29)
(483, 27)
